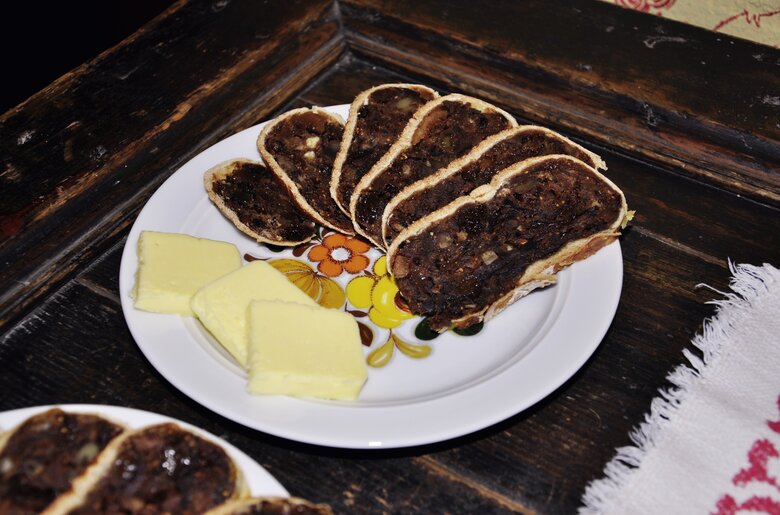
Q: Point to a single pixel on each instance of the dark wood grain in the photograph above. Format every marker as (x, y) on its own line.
(78, 159)
(695, 218)
(492, 471)
(693, 99)
(63, 366)
(345, 79)
(63, 338)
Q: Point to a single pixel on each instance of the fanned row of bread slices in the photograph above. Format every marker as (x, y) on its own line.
(59, 462)
(473, 210)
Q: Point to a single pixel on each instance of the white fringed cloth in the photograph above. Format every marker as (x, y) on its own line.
(711, 442)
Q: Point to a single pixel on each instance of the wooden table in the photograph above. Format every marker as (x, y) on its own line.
(688, 121)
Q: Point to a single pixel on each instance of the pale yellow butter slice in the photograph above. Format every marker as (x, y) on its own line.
(221, 306)
(304, 351)
(172, 267)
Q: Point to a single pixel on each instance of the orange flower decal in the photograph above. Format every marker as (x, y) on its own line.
(338, 253)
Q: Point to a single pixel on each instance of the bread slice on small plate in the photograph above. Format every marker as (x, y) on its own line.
(258, 203)
(162, 468)
(439, 132)
(271, 506)
(469, 260)
(42, 456)
(376, 118)
(474, 169)
(300, 147)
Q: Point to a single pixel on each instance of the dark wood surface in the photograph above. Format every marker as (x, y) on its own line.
(694, 147)
(103, 25)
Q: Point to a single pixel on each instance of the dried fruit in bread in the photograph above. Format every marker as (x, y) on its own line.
(474, 169)
(40, 458)
(439, 132)
(157, 469)
(300, 147)
(258, 203)
(376, 118)
(469, 260)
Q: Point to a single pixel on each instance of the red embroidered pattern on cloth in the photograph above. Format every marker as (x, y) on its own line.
(749, 17)
(710, 444)
(646, 5)
(755, 20)
(759, 456)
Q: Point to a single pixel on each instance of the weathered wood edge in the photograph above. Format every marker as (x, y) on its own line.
(439, 466)
(742, 159)
(58, 85)
(78, 225)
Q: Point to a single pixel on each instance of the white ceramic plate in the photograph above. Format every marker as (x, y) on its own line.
(466, 384)
(260, 482)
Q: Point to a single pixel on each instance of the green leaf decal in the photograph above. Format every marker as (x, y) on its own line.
(424, 332)
(382, 355)
(470, 330)
(411, 350)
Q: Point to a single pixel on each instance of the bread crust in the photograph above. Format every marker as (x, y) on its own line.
(349, 131)
(84, 484)
(405, 141)
(223, 170)
(538, 274)
(6, 436)
(273, 164)
(477, 152)
(284, 505)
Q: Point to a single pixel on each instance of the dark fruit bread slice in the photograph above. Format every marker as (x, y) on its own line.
(469, 260)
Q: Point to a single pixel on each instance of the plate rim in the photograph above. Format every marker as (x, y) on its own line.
(608, 309)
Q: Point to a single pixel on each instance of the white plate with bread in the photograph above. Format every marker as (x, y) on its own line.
(464, 385)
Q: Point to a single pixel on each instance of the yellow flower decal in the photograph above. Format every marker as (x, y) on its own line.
(324, 290)
(378, 292)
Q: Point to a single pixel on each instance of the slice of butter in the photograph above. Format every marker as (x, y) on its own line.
(172, 267)
(221, 306)
(304, 351)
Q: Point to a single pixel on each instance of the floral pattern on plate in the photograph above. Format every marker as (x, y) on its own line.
(337, 272)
